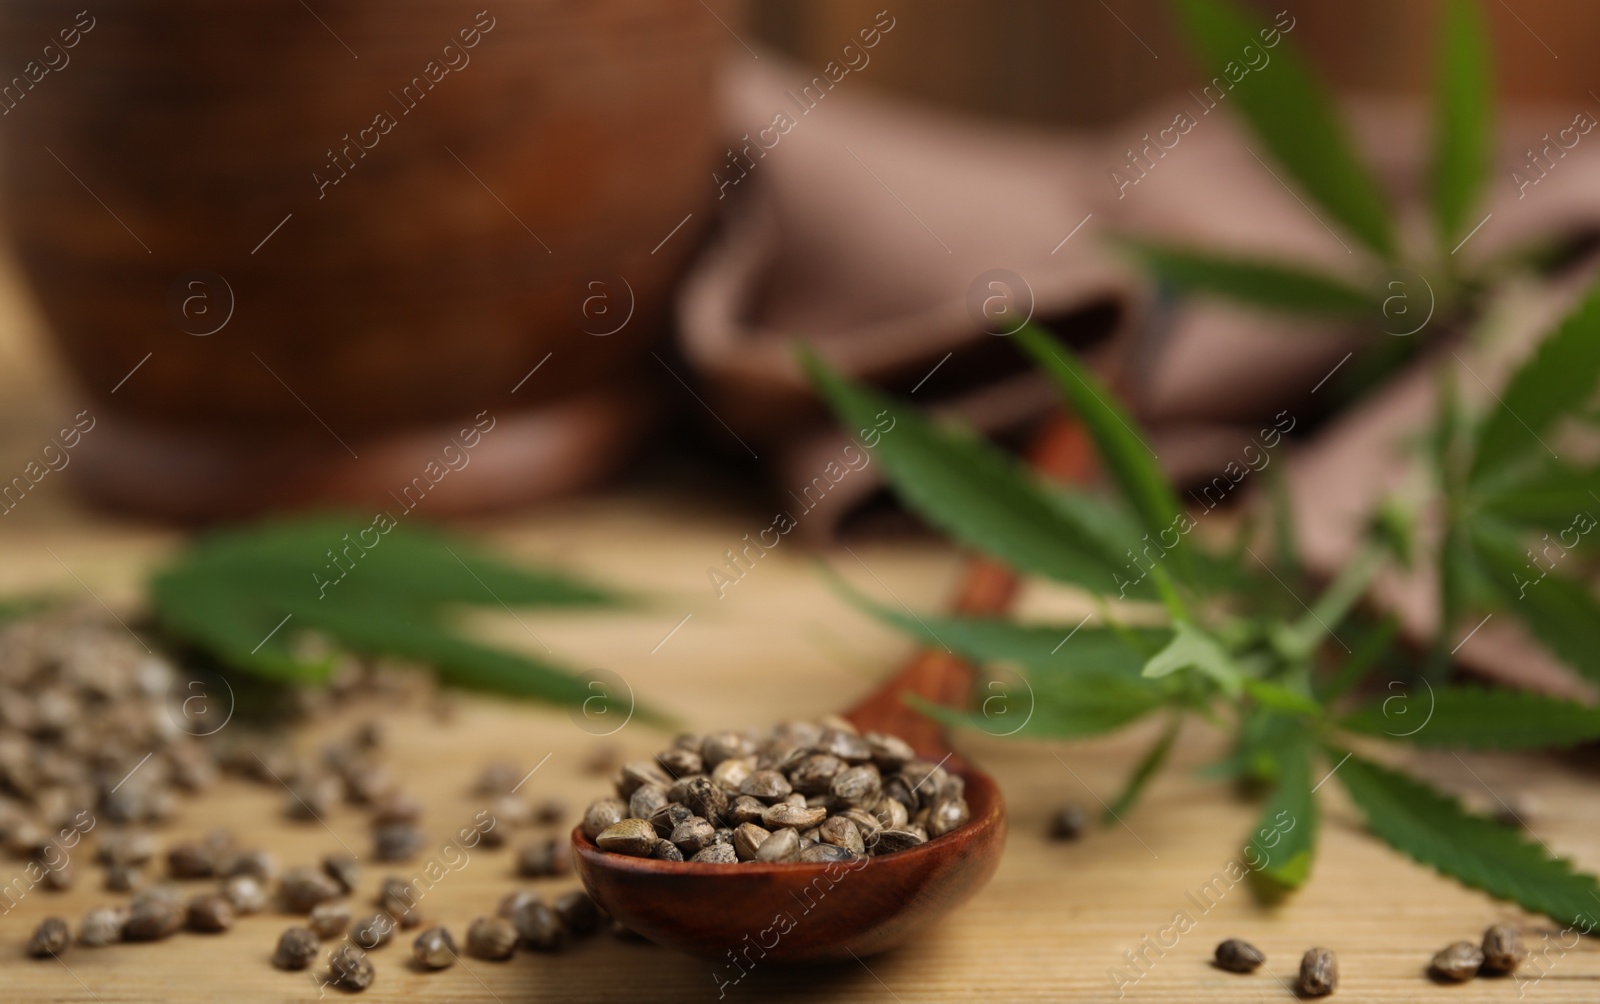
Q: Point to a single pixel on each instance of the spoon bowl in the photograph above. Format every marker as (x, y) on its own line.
(785, 912)
(800, 912)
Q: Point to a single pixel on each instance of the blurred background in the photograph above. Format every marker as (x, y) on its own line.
(1075, 64)
(280, 256)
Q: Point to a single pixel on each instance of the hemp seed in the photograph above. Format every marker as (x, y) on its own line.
(544, 858)
(1457, 963)
(300, 889)
(782, 845)
(539, 926)
(245, 894)
(498, 778)
(297, 949)
(154, 914)
(350, 969)
(1239, 956)
(1319, 972)
(1068, 823)
(511, 900)
(1502, 950)
(210, 913)
(705, 798)
(947, 814)
(716, 854)
(374, 931)
(635, 837)
(393, 842)
(841, 832)
(744, 809)
(491, 938)
(50, 938)
(680, 762)
(397, 898)
(730, 774)
(820, 852)
(889, 752)
(766, 785)
(579, 912)
(343, 869)
(259, 865)
(190, 861)
(793, 816)
(102, 926)
(669, 817)
(857, 785)
(891, 841)
(693, 835)
(330, 919)
(550, 811)
(646, 800)
(747, 840)
(891, 813)
(434, 949)
(666, 850)
(601, 814)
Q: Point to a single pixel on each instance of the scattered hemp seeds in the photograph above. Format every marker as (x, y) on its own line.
(1239, 956)
(804, 791)
(1319, 972)
(1456, 963)
(1502, 950)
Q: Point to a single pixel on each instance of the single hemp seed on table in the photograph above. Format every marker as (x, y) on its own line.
(1502, 950)
(297, 948)
(1319, 972)
(1239, 956)
(434, 949)
(1457, 963)
(50, 938)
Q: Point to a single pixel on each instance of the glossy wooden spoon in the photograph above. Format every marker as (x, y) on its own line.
(763, 913)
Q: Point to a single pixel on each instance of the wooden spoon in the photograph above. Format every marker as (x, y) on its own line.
(753, 913)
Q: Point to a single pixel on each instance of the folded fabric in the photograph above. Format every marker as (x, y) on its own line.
(879, 231)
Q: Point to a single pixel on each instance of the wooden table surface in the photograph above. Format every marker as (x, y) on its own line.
(1054, 923)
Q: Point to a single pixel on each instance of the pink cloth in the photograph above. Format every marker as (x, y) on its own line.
(861, 224)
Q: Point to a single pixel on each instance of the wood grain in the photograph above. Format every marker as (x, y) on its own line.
(1052, 923)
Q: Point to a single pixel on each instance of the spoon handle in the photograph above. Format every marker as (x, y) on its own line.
(1061, 451)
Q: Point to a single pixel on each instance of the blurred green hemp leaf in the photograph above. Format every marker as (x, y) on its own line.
(1294, 117)
(1514, 511)
(1232, 646)
(372, 587)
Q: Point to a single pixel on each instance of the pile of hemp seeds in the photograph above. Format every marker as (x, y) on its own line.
(804, 792)
(102, 739)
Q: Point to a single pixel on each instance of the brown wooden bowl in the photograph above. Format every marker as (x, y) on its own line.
(760, 913)
(363, 284)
